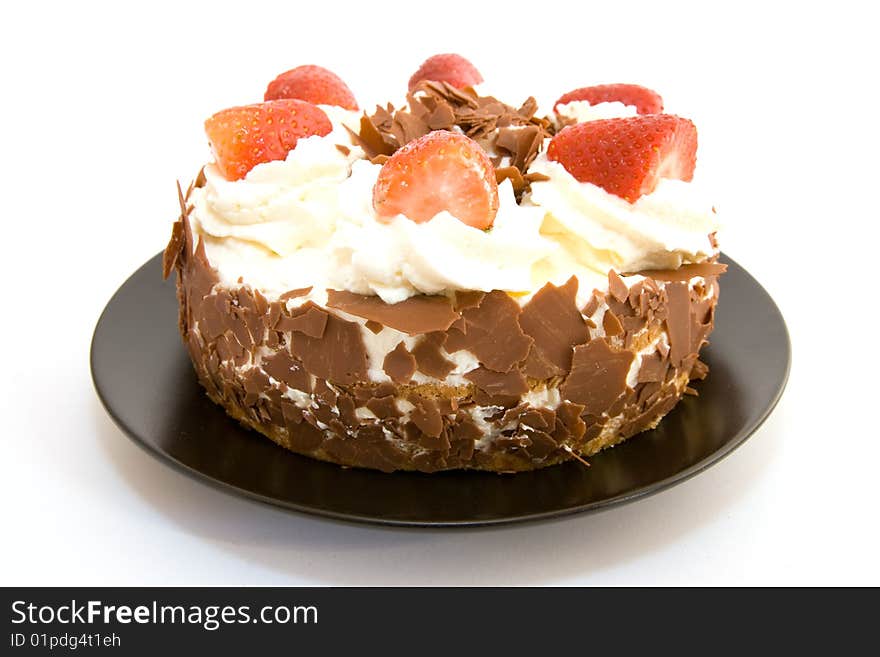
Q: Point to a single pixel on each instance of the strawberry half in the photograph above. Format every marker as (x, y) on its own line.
(313, 84)
(643, 99)
(243, 137)
(440, 171)
(450, 68)
(627, 157)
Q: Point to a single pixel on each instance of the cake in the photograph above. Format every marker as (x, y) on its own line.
(450, 283)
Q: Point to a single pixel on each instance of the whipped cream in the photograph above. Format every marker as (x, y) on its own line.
(580, 111)
(661, 230)
(308, 220)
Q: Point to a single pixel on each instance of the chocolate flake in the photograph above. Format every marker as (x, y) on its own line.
(492, 333)
(552, 319)
(399, 364)
(611, 324)
(308, 319)
(686, 272)
(338, 356)
(293, 294)
(418, 314)
(426, 416)
(598, 376)
(678, 321)
(428, 357)
(652, 368)
(617, 287)
(511, 384)
(515, 133)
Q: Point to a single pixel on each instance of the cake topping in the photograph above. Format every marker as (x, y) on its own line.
(643, 99)
(506, 132)
(313, 84)
(452, 191)
(243, 137)
(627, 157)
(439, 171)
(451, 68)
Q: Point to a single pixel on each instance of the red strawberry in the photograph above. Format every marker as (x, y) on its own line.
(628, 156)
(451, 68)
(439, 171)
(312, 84)
(643, 99)
(243, 137)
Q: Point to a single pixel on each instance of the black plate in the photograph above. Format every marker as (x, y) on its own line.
(145, 381)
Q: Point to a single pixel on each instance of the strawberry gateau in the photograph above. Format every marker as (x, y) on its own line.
(452, 282)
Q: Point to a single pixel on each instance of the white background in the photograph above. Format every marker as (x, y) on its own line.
(102, 108)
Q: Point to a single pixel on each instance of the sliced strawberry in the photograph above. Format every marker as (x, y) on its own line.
(243, 137)
(439, 171)
(450, 68)
(313, 84)
(628, 156)
(643, 99)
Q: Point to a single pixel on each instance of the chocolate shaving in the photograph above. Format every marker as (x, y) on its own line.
(700, 370)
(611, 324)
(174, 248)
(418, 314)
(428, 357)
(309, 319)
(371, 140)
(520, 183)
(592, 305)
(617, 287)
(598, 376)
(686, 272)
(678, 321)
(538, 367)
(514, 133)
(520, 144)
(293, 294)
(492, 333)
(281, 366)
(552, 319)
(338, 356)
(384, 407)
(426, 416)
(652, 369)
(399, 364)
(511, 384)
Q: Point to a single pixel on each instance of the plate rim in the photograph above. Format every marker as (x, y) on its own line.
(361, 519)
